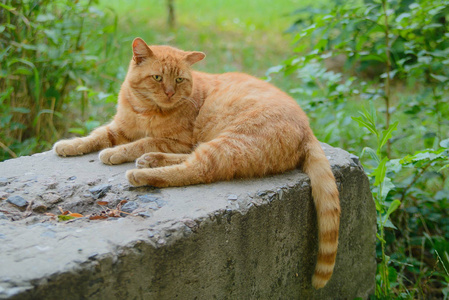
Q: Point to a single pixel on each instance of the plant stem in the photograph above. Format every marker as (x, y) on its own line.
(171, 20)
(387, 79)
(8, 150)
(437, 112)
(384, 260)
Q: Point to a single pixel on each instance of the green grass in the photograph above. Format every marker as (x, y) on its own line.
(244, 36)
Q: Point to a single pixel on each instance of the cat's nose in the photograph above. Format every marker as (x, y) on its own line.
(169, 92)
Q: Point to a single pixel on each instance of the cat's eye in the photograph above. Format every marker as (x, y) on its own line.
(157, 77)
(179, 80)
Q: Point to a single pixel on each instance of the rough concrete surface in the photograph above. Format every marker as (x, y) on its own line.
(244, 239)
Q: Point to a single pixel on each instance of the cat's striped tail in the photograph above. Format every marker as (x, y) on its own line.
(327, 203)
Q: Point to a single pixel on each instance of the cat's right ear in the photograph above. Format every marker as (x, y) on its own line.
(141, 51)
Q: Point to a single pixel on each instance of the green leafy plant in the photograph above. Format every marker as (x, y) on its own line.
(43, 57)
(391, 54)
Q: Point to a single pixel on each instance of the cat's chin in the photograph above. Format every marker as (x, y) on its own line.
(167, 103)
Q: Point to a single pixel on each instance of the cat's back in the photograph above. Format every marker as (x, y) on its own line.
(238, 100)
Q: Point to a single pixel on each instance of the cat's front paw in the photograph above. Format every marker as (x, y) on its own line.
(70, 147)
(112, 156)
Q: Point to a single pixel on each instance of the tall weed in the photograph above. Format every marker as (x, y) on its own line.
(43, 58)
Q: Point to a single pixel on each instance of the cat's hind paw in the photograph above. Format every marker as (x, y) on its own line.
(160, 159)
(111, 156)
(151, 160)
(145, 177)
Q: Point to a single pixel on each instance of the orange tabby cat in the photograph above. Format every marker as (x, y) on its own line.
(186, 127)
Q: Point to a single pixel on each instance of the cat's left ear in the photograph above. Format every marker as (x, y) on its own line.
(141, 50)
(194, 57)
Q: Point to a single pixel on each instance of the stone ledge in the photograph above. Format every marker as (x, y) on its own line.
(245, 239)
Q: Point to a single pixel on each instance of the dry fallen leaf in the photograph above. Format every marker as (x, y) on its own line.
(76, 215)
(97, 217)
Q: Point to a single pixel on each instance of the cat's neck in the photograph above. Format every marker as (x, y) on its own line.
(203, 85)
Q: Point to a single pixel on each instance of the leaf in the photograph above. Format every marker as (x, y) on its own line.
(443, 168)
(393, 206)
(379, 172)
(421, 156)
(372, 153)
(75, 215)
(394, 165)
(45, 17)
(440, 78)
(386, 134)
(391, 74)
(97, 217)
(65, 217)
(363, 123)
(402, 16)
(392, 274)
(387, 186)
(103, 203)
(22, 110)
(372, 57)
(81, 88)
(444, 143)
(10, 8)
(389, 224)
(79, 131)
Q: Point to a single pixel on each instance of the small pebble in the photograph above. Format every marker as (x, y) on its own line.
(3, 217)
(40, 208)
(100, 190)
(93, 182)
(144, 214)
(3, 181)
(130, 206)
(71, 178)
(51, 198)
(155, 202)
(52, 185)
(147, 198)
(232, 197)
(17, 201)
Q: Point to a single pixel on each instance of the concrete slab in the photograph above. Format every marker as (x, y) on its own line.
(245, 239)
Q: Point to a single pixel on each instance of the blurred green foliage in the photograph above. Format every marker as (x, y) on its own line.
(389, 60)
(46, 50)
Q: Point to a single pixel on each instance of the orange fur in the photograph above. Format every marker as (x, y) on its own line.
(186, 127)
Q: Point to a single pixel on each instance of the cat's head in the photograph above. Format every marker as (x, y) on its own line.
(161, 75)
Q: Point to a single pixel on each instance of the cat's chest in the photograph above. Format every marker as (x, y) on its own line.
(158, 126)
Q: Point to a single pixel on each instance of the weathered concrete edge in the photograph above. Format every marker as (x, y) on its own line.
(177, 232)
